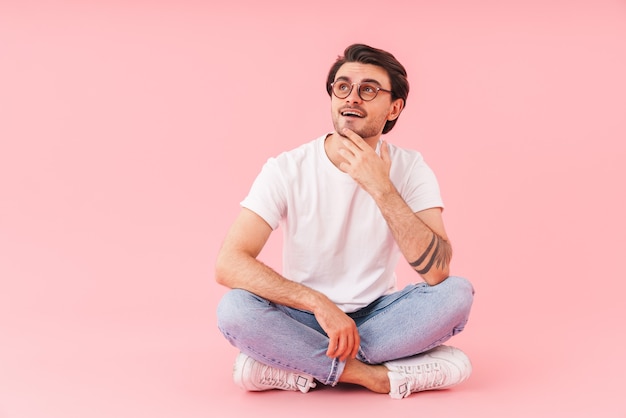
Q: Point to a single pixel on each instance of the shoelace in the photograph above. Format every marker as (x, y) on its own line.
(277, 378)
(424, 376)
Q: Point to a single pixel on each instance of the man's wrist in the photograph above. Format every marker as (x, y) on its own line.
(384, 193)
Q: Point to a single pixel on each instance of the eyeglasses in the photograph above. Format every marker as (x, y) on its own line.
(367, 91)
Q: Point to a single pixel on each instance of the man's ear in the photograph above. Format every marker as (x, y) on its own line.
(396, 109)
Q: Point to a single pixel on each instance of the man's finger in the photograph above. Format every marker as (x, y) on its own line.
(332, 347)
(357, 344)
(343, 348)
(356, 139)
(384, 151)
(348, 348)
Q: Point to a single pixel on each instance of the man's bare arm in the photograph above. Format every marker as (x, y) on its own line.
(237, 267)
(420, 236)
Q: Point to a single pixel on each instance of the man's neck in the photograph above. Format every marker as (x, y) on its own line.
(332, 144)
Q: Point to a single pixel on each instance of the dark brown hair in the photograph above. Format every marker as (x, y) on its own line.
(368, 55)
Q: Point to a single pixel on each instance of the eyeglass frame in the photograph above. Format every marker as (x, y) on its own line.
(358, 91)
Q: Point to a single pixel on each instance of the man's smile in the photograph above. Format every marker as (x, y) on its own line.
(352, 112)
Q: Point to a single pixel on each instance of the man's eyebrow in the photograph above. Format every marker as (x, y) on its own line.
(371, 80)
(365, 80)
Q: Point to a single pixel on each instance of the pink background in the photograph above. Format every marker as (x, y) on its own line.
(129, 132)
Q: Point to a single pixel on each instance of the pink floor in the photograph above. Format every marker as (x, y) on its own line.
(57, 369)
(129, 132)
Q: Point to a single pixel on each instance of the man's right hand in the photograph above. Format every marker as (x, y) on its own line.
(344, 339)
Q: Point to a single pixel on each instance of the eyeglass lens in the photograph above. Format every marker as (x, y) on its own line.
(367, 92)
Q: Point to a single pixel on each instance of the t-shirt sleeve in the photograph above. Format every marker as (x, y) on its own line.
(267, 196)
(422, 188)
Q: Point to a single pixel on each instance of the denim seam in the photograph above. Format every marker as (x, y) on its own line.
(333, 375)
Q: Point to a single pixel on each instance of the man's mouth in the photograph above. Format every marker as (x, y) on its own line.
(352, 113)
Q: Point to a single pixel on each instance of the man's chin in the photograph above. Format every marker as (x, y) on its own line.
(347, 125)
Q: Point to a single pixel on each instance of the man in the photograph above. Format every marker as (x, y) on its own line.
(350, 205)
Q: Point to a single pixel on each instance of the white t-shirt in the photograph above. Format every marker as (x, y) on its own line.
(336, 241)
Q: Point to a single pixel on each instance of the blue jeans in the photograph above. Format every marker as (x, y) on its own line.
(402, 324)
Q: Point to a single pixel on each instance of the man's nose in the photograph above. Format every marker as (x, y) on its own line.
(354, 94)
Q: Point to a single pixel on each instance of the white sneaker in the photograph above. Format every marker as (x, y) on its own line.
(439, 368)
(253, 375)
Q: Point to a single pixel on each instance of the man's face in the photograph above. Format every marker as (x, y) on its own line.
(366, 118)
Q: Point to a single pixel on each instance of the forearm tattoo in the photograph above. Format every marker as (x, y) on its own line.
(438, 256)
